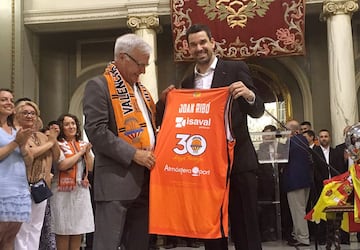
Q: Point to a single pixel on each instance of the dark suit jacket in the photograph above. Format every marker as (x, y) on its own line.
(323, 167)
(298, 171)
(227, 72)
(342, 163)
(116, 176)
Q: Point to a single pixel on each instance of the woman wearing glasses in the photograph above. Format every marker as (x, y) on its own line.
(45, 151)
(15, 201)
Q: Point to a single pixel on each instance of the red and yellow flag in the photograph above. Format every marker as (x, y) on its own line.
(351, 221)
(335, 192)
(355, 175)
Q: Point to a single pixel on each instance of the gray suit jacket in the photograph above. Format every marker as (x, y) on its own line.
(116, 176)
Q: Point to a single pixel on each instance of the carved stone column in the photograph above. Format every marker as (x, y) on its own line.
(146, 27)
(343, 101)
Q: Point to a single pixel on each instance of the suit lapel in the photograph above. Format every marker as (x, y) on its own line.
(321, 153)
(218, 79)
(331, 152)
(219, 74)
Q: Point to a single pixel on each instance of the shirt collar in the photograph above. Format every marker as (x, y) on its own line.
(325, 149)
(210, 69)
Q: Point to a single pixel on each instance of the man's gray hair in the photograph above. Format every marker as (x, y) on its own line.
(129, 42)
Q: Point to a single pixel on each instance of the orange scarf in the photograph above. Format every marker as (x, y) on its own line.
(129, 119)
(67, 178)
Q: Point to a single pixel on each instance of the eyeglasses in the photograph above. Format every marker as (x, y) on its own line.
(136, 62)
(30, 113)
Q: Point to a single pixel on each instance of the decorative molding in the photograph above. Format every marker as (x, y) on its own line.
(339, 7)
(43, 20)
(144, 22)
(80, 16)
(39, 17)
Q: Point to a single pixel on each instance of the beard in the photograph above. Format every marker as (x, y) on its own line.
(203, 57)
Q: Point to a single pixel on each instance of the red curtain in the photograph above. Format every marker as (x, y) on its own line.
(242, 29)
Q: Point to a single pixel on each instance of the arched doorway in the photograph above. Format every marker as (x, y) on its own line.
(276, 96)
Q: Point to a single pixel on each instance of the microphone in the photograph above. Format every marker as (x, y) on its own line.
(278, 135)
(277, 120)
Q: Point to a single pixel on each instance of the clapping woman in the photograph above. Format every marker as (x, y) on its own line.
(45, 151)
(15, 201)
(72, 214)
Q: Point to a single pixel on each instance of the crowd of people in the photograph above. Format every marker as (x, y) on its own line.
(311, 160)
(53, 157)
(121, 120)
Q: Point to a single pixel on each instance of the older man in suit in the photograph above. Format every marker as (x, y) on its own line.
(119, 122)
(297, 180)
(213, 72)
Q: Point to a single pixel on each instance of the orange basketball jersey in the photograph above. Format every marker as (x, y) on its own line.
(189, 184)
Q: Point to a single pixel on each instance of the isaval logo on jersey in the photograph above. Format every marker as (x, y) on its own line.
(181, 122)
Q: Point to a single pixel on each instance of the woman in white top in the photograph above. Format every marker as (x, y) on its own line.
(71, 208)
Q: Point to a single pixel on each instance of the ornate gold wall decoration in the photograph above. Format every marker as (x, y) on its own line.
(277, 28)
(236, 13)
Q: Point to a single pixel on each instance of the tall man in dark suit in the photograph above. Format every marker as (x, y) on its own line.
(213, 72)
(119, 122)
(328, 163)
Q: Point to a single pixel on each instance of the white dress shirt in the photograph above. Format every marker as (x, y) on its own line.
(203, 81)
(326, 152)
(145, 113)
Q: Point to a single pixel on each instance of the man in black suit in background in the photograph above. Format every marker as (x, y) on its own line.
(328, 162)
(326, 165)
(213, 72)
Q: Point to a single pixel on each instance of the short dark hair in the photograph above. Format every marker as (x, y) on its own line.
(52, 123)
(269, 127)
(195, 28)
(310, 133)
(324, 130)
(305, 123)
